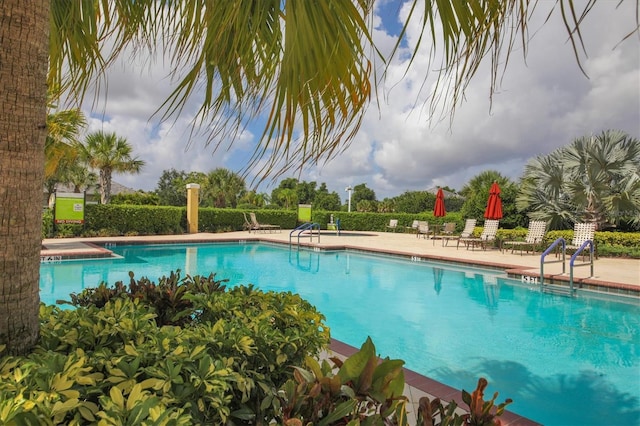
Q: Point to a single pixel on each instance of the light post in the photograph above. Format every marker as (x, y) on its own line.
(349, 189)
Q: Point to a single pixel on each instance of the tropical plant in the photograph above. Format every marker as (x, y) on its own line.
(476, 193)
(325, 200)
(481, 412)
(108, 153)
(172, 186)
(362, 192)
(129, 362)
(79, 177)
(363, 387)
(239, 62)
(63, 130)
(252, 200)
(593, 179)
(414, 202)
(366, 206)
(287, 198)
(222, 188)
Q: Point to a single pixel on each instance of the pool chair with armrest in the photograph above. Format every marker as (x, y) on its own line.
(257, 226)
(423, 229)
(393, 225)
(488, 234)
(246, 226)
(582, 232)
(532, 241)
(469, 227)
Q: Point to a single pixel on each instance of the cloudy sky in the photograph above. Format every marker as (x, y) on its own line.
(542, 103)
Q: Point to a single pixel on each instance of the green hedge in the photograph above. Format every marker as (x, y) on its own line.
(607, 243)
(120, 219)
(131, 219)
(223, 220)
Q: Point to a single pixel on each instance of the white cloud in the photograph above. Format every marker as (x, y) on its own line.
(541, 104)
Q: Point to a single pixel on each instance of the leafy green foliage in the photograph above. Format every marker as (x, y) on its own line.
(47, 223)
(595, 179)
(139, 198)
(145, 220)
(362, 387)
(367, 390)
(115, 365)
(168, 297)
(476, 192)
(481, 412)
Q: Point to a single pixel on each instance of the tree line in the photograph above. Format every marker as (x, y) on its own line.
(595, 178)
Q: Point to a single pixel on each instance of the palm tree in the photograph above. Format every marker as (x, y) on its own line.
(222, 188)
(63, 129)
(108, 153)
(80, 178)
(287, 198)
(594, 179)
(240, 60)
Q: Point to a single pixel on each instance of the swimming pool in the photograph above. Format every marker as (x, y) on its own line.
(563, 361)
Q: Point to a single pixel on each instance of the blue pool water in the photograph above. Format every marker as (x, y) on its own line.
(563, 361)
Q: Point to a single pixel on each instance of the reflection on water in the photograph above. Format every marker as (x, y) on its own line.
(451, 323)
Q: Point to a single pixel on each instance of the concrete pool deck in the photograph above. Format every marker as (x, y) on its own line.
(619, 276)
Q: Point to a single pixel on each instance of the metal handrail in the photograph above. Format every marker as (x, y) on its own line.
(574, 257)
(547, 251)
(305, 227)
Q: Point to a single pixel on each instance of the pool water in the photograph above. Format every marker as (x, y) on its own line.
(564, 361)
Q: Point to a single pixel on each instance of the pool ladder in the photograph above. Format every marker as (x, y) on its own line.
(305, 230)
(572, 264)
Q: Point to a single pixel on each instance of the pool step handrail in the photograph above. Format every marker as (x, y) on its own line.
(306, 227)
(575, 256)
(310, 267)
(547, 251)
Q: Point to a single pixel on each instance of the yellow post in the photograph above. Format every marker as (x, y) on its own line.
(192, 208)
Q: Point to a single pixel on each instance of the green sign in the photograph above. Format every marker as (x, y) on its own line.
(69, 208)
(304, 212)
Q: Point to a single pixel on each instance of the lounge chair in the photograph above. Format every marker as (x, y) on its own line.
(422, 229)
(582, 232)
(488, 234)
(469, 227)
(257, 226)
(247, 224)
(533, 240)
(446, 232)
(393, 225)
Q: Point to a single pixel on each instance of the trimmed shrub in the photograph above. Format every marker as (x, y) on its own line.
(116, 365)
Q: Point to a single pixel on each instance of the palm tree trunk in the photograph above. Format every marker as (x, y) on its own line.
(24, 31)
(105, 185)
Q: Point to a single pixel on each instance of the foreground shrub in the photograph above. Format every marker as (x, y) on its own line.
(364, 389)
(114, 365)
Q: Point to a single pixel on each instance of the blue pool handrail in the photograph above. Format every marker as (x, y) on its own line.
(307, 226)
(547, 251)
(575, 256)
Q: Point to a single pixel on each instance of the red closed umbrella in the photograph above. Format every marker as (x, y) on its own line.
(494, 204)
(438, 209)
